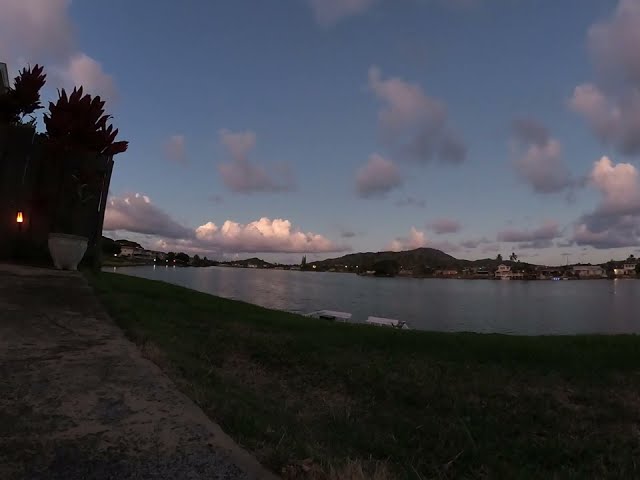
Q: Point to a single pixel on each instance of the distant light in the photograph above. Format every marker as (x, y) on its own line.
(115, 254)
(19, 217)
(314, 266)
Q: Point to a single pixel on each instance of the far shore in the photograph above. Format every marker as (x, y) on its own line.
(123, 262)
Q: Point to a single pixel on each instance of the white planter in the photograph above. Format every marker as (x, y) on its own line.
(67, 250)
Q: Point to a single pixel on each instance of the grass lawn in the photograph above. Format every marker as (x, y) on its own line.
(317, 400)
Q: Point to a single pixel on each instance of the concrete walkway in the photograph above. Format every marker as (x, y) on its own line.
(78, 400)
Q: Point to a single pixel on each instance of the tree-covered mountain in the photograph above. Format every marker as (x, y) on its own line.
(421, 260)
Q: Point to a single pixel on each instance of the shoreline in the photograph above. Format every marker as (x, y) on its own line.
(108, 264)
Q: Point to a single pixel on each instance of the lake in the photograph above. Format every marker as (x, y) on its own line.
(484, 306)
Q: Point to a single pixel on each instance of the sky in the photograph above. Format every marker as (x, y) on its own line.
(322, 127)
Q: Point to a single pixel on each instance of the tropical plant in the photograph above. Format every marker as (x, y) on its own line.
(78, 124)
(76, 127)
(24, 97)
(513, 257)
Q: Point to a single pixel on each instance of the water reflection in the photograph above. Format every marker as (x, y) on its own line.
(528, 308)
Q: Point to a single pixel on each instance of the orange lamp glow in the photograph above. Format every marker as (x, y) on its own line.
(19, 218)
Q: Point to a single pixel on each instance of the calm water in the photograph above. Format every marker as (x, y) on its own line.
(514, 307)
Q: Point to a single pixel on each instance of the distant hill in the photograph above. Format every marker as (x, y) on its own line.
(409, 260)
(128, 243)
(249, 261)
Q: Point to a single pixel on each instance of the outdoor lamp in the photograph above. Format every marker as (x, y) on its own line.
(20, 217)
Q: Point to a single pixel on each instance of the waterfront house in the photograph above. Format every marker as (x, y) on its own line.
(629, 269)
(503, 272)
(589, 271)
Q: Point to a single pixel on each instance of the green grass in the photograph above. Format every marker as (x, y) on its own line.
(416, 404)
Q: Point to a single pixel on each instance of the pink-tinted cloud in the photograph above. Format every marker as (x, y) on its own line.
(240, 175)
(415, 239)
(540, 237)
(136, 213)
(330, 12)
(615, 222)
(82, 70)
(377, 177)
(614, 118)
(443, 226)
(40, 30)
(175, 149)
(263, 236)
(538, 158)
(613, 111)
(614, 42)
(414, 124)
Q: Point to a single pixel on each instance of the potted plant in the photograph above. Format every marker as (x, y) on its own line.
(80, 143)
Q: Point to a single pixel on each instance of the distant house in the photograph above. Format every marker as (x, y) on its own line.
(589, 271)
(504, 272)
(629, 269)
(128, 251)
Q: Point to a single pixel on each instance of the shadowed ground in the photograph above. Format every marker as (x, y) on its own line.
(78, 400)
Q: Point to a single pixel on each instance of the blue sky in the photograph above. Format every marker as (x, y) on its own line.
(283, 94)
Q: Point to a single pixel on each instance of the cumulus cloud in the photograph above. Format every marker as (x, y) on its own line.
(42, 31)
(540, 237)
(36, 29)
(615, 222)
(82, 70)
(411, 201)
(330, 12)
(240, 175)
(413, 123)
(135, 213)
(377, 177)
(175, 149)
(613, 112)
(538, 157)
(415, 239)
(263, 236)
(614, 42)
(443, 226)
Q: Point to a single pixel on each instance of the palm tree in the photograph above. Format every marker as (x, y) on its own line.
(513, 257)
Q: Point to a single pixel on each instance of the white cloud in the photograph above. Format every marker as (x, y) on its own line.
(240, 175)
(377, 177)
(175, 149)
(263, 236)
(330, 12)
(135, 213)
(615, 222)
(82, 70)
(415, 239)
(413, 123)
